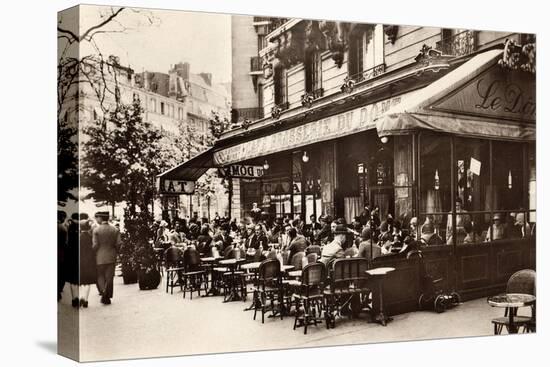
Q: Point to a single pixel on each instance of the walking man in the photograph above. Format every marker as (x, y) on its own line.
(106, 242)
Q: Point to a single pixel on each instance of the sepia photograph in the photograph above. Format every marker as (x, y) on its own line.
(237, 183)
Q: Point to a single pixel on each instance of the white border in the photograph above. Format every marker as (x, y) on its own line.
(28, 306)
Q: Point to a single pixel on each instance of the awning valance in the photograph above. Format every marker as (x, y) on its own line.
(192, 169)
(478, 99)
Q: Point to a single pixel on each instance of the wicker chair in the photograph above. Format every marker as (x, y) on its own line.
(193, 275)
(313, 249)
(523, 281)
(348, 289)
(308, 298)
(267, 288)
(173, 260)
(296, 260)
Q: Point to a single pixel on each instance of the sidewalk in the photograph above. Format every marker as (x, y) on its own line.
(153, 323)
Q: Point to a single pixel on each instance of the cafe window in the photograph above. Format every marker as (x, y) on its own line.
(162, 108)
(313, 71)
(434, 182)
(279, 79)
(490, 195)
(355, 54)
(374, 49)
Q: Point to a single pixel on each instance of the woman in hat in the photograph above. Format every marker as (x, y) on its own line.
(88, 274)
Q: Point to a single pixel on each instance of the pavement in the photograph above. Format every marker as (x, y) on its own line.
(141, 324)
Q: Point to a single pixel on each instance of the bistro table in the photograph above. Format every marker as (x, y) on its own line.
(511, 301)
(379, 274)
(209, 265)
(232, 264)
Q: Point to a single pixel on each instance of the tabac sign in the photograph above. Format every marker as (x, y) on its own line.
(244, 171)
(495, 93)
(335, 126)
(176, 187)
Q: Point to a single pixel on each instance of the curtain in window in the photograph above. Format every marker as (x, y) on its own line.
(352, 208)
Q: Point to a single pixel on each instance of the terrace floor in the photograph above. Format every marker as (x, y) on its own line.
(141, 324)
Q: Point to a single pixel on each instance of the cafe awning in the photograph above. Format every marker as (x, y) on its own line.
(192, 169)
(478, 99)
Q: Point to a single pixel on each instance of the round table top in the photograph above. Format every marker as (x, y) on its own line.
(287, 267)
(511, 300)
(230, 261)
(295, 273)
(253, 265)
(380, 271)
(209, 259)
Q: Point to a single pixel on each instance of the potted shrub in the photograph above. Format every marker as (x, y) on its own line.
(127, 261)
(140, 238)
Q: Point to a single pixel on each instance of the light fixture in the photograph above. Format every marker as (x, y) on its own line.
(436, 178)
(509, 179)
(305, 157)
(384, 139)
(266, 165)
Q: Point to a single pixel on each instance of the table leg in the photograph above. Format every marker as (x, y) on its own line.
(381, 316)
(512, 329)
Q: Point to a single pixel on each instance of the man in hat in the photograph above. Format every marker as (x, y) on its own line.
(223, 240)
(497, 231)
(460, 219)
(106, 242)
(335, 249)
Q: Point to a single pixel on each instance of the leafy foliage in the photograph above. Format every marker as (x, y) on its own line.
(67, 160)
(122, 157)
(137, 250)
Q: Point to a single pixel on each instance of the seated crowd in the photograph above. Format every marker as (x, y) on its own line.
(367, 236)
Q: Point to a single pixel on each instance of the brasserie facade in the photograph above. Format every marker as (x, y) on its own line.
(454, 122)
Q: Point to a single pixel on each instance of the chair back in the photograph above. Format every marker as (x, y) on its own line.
(296, 260)
(522, 281)
(173, 257)
(348, 273)
(314, 274)
(191, 259)
(312, 258)
(313, 249)
(269, 271)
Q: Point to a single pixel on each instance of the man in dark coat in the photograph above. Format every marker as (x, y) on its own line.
(106, 242)
(223, 240)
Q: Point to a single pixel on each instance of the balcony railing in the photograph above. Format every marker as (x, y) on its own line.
(256, 65)
(369, 73)
(459, 44)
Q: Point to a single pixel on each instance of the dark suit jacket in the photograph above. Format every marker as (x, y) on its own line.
(226, 241)
(106, 242)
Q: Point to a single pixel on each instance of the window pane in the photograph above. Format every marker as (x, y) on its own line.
(435, 180)
(508, 187)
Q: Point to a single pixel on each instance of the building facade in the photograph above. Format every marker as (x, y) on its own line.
(420, 122)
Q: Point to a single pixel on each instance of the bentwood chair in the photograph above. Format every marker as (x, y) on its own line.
(173, 260)
(522, 281)
(193, 275)
(267, 288)
(348, 291)
(308, 296)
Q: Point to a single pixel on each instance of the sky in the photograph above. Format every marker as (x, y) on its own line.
(154, 40)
